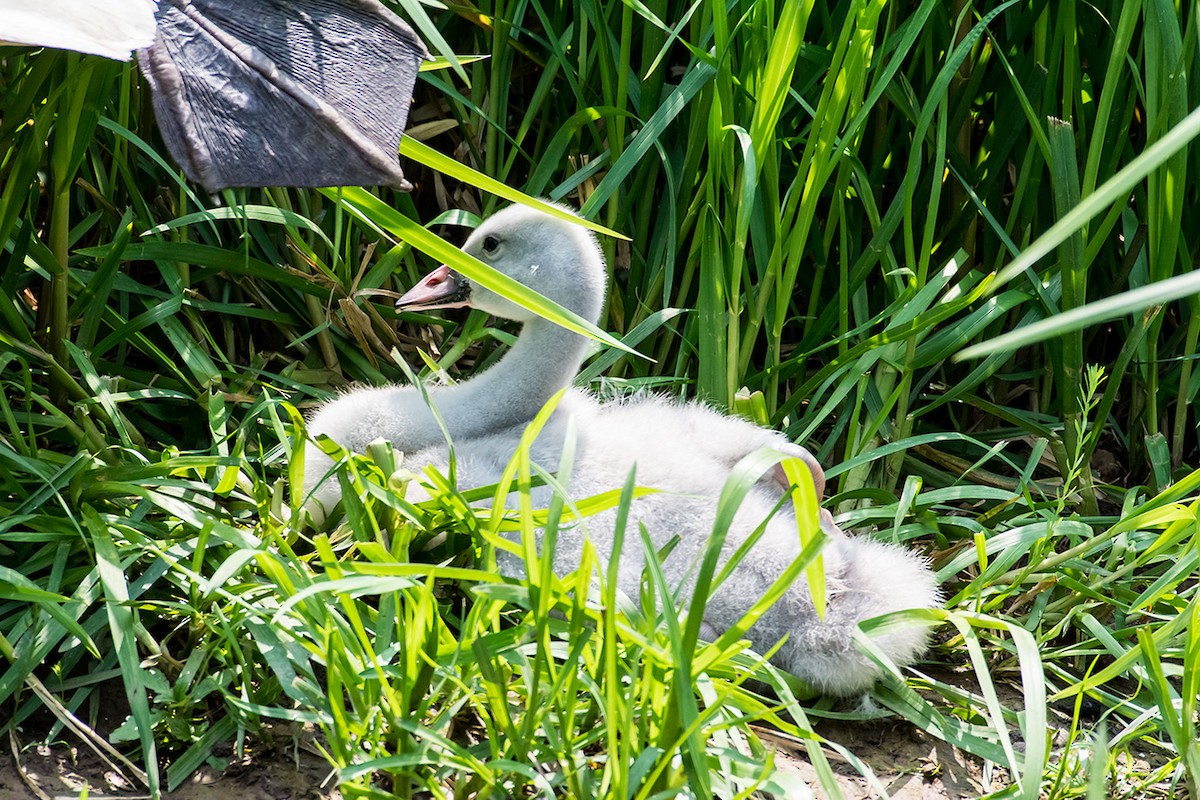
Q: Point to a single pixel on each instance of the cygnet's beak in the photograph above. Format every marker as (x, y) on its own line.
(442, 288)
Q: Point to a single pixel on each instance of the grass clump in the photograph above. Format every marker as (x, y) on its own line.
(826, 207)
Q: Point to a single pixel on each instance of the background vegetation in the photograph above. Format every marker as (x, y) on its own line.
(818, 199)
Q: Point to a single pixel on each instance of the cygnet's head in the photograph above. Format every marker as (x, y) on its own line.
(556, 258)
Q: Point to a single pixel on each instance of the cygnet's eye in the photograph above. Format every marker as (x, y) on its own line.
(490, 244)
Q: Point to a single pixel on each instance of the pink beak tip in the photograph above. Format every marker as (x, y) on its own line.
(439, 289)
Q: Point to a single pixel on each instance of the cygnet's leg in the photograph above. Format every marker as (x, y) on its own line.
(730, 439)
(781, 480)
(796, 451)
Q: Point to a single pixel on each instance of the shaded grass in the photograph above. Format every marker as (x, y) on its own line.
(822, 195)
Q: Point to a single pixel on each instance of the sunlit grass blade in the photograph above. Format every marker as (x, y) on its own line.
(1115, 188)
(122, 623)
(1120, 305)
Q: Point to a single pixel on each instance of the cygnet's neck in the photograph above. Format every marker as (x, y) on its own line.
(545, 358)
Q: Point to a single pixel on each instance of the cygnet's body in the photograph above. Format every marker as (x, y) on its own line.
(685, 450)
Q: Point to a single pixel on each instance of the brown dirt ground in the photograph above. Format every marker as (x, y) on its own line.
(62, 771)
(911, 765)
